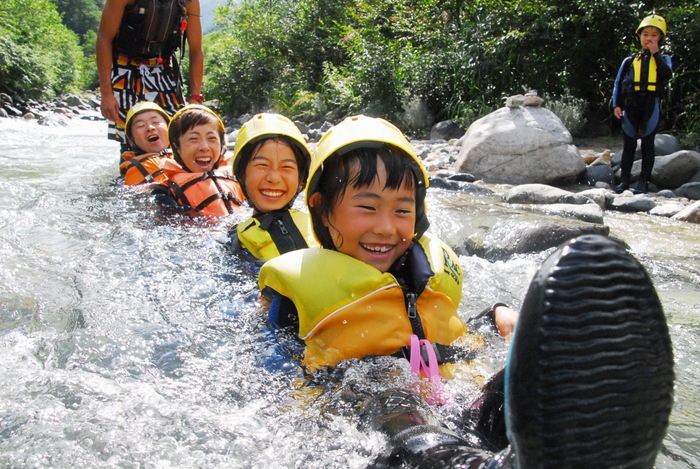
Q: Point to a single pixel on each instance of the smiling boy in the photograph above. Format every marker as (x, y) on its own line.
(147, 133)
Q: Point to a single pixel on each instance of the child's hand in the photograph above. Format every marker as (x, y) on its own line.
(505, 320)
(653, 47)
(618, 112)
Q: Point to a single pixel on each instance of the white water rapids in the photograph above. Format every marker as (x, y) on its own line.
(131, 339)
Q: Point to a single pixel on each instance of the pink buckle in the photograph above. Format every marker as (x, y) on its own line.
(430, 370)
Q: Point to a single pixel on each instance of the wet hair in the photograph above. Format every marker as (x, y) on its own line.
(188, 120)
(252, 148)
(358, 168)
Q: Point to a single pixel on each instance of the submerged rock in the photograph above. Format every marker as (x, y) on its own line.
(504, 239)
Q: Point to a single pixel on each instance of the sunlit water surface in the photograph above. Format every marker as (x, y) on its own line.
(129, 338)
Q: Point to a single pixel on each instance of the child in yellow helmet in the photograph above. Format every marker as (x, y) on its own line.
(366, 197)
(271, 162)
(199, 175)
(640, 83)
(380, 285)
(146, 131)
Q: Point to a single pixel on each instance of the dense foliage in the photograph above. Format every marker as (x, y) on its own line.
(416, 61)
(83, 18)
(39, 56)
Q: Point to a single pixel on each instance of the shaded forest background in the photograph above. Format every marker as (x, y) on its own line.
(414, 62)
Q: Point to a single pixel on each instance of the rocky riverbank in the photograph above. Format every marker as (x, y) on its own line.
(585, 200)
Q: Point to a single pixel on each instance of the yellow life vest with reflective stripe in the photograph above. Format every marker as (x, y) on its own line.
(650, 83)
(349, 309)
(259, 242)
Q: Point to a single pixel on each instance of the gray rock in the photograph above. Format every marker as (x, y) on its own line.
(590, 213)
(665, 144)
(446, 130)
(600, 173)
(667, 209)
(639, 203)
(460, 186)
(54, 120)
(666, 193)
(5, 100)
(3, 112)
(12, 111)
(542, 194)
(504, 240)
(674, 170)
(598, 196)
(689, 190)
(303, 128)
(520, 145)
(465, 177)
(244, 118)
(691, 213)
(74, 101)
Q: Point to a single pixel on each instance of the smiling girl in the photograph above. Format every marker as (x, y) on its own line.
(591, 358)
(199, 178)
(271, 161)
(379, 277)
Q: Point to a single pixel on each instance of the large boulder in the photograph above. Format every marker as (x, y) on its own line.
(520, 145)
(664, 144)
(670, 171)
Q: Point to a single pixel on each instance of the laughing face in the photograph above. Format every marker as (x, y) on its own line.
(272, 176)
(374, 224)
(200, 147)
(149, 131)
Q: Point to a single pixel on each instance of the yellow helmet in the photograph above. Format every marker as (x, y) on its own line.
(655, 21)
(138, 108)
(362, 132)
(201, 107)
(266, 126)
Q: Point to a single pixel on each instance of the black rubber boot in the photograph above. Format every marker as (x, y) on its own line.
(485, 417)
(589, 380)
(642, 187)
(416, 438)
(622, 187)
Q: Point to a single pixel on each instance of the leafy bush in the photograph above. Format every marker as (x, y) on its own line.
(571, 111)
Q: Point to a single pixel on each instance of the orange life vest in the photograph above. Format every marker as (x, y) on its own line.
(144, 168)
(214, 193)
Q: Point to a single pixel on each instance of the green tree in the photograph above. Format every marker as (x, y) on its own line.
(456, 58)
(39, 56)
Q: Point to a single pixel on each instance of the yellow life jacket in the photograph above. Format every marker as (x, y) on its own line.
(650, 83)
(258, 241)
(349, 309)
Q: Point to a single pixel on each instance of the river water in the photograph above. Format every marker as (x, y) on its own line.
(130, 339)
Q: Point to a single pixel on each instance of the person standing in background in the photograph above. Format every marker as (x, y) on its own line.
(639, 86)
(136, 47)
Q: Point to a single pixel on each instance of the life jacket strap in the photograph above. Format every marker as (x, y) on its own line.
(138, 164)
(443, 353)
